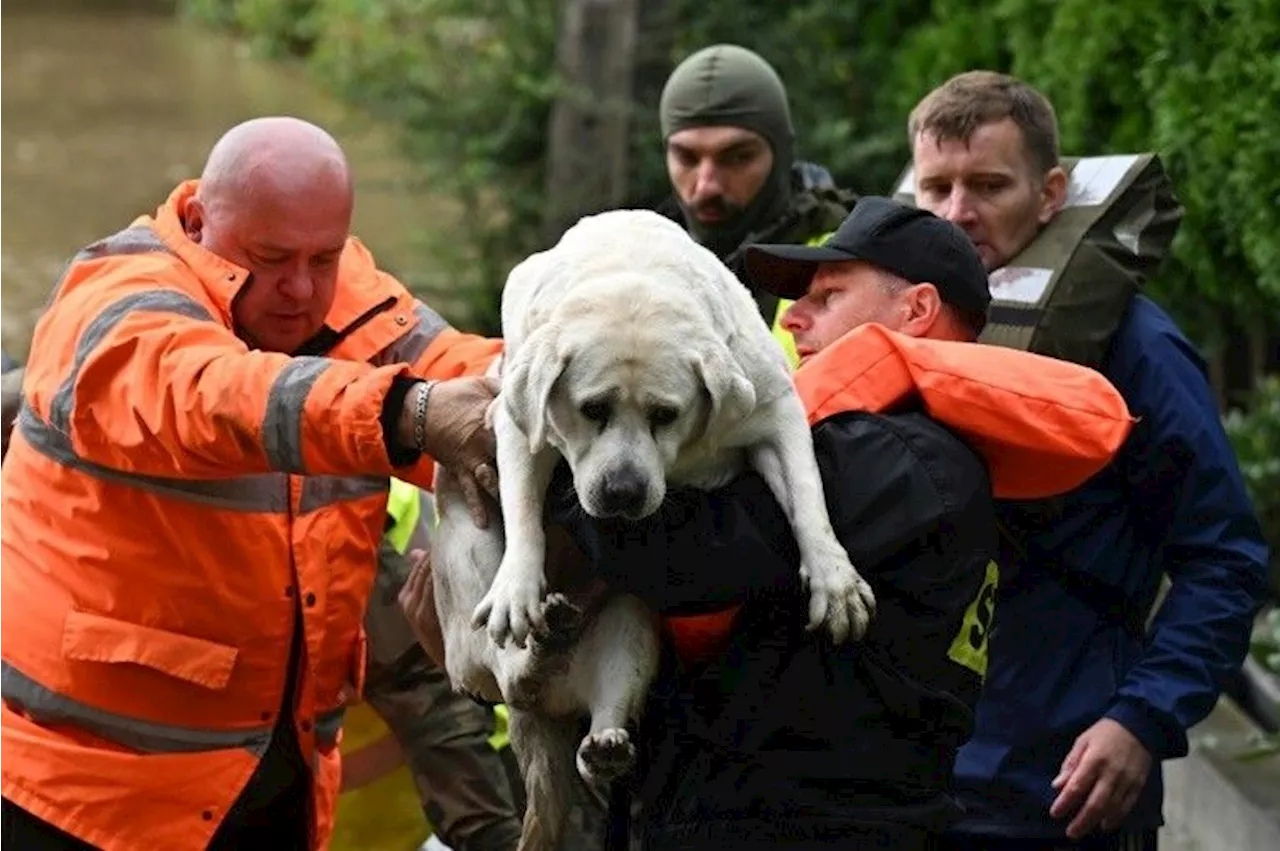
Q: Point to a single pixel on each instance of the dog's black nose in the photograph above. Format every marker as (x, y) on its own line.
(623, 492)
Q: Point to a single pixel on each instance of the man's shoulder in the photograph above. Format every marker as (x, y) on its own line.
(1147, 321)
(92, 282)
(903, 445)
(818, 200)
(1151, 360)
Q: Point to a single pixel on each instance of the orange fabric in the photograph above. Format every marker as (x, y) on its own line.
(1043, 425)
(129, 590)
(698, 639)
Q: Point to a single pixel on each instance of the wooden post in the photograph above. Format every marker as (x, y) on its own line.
(589, 129)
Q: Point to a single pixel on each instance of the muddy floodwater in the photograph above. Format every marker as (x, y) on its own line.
(105, 110)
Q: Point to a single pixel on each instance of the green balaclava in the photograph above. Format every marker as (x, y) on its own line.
(726, 85)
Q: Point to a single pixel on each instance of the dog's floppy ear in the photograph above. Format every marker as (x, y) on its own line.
(527, 381)
(733, 397)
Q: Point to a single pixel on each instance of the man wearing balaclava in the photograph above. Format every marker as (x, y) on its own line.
(730, 156)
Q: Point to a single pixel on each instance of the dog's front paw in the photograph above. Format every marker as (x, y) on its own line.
(839, 598)
(511, 609)
(605, 756)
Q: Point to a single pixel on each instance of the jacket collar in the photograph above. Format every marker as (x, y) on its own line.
(361, 291)
(220, 278)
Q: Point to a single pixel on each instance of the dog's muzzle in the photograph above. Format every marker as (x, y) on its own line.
(623, 493)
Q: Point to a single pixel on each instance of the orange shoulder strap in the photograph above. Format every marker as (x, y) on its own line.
(1043, 425)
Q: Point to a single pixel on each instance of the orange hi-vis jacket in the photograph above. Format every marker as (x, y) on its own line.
(1043, 426)
(172, 500)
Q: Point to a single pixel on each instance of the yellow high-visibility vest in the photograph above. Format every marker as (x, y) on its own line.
(404, 504)
(783, 336)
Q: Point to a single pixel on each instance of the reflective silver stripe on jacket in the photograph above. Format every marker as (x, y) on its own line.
(160, 300)
(268, 492)
(282, 425)
(410, 346)
(328, 724)
(44, 706)
(263, 493)
(135, 239)
(322, 491)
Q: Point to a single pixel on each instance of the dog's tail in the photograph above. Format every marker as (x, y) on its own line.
(545, 749)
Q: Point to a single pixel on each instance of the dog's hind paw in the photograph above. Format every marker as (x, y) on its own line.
(511, 609)
(563, 624)
(606, 756)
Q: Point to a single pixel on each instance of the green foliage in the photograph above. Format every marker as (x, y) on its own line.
(274, 27)
(1266, 642)
(473, 81)
(1255, 435)
(469, 82)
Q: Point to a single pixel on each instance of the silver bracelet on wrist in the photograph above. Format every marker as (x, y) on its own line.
(420, 415)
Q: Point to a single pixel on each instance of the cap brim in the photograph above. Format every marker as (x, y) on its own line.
(786, 270)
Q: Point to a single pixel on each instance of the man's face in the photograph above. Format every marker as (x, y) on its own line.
(716, 171)
(989, 187)
(292, 244)
(841, 297)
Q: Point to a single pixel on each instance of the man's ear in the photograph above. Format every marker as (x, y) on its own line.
(527, 381)
(1053, 195)
(193, 217)
(923, 306)
(731, 393)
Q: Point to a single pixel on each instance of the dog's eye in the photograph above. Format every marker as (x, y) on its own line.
(597, 412)
(662, 415)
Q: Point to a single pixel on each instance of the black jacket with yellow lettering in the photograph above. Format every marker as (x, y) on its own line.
(780, 738)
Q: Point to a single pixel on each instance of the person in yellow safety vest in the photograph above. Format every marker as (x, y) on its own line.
(453, 746)
(730, 145)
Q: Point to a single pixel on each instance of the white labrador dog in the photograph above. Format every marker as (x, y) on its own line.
(635, 354)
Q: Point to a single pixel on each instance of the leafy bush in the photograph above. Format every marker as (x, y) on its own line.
(470, 83)
(1255, 434)
(1266, 642)
(473, 81)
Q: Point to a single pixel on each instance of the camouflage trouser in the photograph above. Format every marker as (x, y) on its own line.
(585, 827)
(461, 779)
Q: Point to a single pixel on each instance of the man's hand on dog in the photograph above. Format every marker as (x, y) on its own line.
(459, 435)
(418, 602)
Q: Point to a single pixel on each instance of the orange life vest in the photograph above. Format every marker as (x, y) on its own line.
(1044, 426)
(171, 501)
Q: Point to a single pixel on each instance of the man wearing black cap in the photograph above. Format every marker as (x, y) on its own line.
(730, 151)
(768, 736)
(888, 263)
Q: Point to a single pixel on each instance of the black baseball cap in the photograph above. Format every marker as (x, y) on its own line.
(907, 241)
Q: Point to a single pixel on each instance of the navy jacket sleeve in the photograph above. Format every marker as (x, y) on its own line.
(1190, 499)
(706, 549)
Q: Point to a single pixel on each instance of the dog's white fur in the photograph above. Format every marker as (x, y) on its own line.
(635, 354)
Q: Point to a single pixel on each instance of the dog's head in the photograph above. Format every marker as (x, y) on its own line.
(620, 387)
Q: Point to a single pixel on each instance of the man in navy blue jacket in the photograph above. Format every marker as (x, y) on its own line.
(1081, 702)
